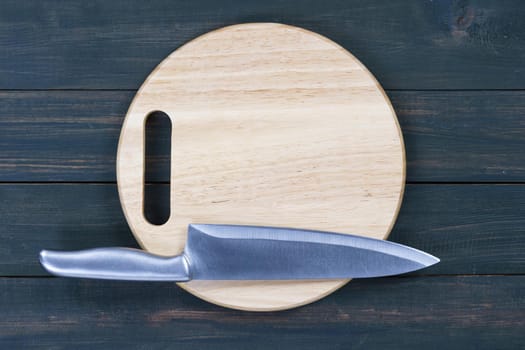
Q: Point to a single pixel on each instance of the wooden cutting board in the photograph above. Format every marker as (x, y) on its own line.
(271, 125)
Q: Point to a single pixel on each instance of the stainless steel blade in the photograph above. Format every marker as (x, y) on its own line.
(229, 252)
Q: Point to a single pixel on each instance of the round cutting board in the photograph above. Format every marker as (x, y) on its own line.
(272, 125)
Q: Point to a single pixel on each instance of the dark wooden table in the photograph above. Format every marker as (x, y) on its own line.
(455, 72)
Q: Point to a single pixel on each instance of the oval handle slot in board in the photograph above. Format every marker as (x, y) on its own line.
(156, 207)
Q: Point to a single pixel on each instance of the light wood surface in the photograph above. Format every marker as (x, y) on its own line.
(271, 125)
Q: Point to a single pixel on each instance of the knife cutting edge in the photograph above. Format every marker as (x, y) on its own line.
(232, 252)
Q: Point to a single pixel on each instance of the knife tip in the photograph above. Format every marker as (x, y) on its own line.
(432, 260)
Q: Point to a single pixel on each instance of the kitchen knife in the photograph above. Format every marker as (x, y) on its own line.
(231, 252)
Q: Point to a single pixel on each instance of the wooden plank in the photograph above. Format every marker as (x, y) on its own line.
(57, 216)
(60, 136)
(101, 44)
(474, 229)
(462, 136)
(454, 312)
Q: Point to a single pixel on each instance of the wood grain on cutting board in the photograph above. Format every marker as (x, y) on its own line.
(271, 125)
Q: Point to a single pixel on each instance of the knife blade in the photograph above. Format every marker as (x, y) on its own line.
(233, 252)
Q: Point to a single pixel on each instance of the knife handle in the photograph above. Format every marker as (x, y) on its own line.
(116, 264)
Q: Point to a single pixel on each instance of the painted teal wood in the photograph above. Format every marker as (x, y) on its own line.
(473, 229)
(443, 64)
(407, 44)
(447, 312)
(458, 136)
